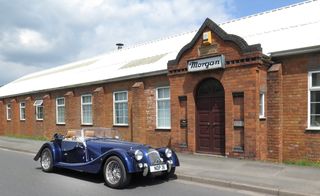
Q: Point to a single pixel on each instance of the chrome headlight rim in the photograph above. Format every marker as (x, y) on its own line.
(168, 153)
(138, 155)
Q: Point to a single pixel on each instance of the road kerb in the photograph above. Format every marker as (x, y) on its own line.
(241, 186)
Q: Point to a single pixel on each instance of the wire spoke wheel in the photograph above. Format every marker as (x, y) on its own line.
(46, 160)
(113, 172)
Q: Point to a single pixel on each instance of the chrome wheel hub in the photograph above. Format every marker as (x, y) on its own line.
(45, 160)
(113, 172)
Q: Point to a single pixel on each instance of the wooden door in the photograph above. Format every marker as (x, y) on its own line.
(210, 117)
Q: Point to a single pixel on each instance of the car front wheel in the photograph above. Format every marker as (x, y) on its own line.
(46, 160)
(115, 174)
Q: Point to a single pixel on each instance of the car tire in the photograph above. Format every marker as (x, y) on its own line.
(115, 174)
(46, 160)
(170, 174)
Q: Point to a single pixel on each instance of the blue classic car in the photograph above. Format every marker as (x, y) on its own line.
(96, 150)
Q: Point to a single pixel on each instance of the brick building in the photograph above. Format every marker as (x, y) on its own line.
(246, 88)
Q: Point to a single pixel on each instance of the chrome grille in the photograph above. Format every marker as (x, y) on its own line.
(154, 157)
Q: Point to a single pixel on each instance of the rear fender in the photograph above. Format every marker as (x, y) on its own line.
(55, 150)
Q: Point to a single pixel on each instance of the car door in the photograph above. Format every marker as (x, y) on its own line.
(73, 152)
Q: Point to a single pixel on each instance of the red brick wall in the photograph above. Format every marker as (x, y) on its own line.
(145, 122)
(297, 144)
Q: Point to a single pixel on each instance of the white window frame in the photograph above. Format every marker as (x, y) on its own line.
(57, 110)
(310, 88)
(262, 114)
(22, 108)
(39, 103)
(162, 99)
(83, 104)
(9, 107)
(114, 108)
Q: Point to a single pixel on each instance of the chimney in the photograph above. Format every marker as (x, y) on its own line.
(120, 45)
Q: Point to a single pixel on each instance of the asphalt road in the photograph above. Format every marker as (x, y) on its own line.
(21, 176)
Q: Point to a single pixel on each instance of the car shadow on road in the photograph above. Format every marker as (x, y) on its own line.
(136, 180)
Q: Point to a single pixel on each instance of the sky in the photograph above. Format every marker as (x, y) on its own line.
(40, 34)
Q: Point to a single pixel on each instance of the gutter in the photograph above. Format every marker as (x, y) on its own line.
(123, 78)
(311, 49)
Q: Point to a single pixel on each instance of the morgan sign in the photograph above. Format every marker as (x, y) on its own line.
(207, 63)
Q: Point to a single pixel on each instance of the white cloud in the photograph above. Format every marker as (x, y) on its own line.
(52, 32)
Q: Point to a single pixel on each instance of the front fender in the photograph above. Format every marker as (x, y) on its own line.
(127, 160)
(55, 150)
(174, 157)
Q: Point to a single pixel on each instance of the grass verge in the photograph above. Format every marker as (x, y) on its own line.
(30, 137)
(304, 163)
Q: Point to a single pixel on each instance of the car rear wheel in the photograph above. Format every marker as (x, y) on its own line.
(46, 160)
(115, 174)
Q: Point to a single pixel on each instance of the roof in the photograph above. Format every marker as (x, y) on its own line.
(286, 28)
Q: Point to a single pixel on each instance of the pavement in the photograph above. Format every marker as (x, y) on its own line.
(257, 176)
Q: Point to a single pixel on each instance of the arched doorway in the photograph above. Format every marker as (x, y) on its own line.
(210, 117)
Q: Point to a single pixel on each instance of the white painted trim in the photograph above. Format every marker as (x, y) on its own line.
(20, 109)
(114, 108)
(7, 108)
(163, 87)
(85, 95)
(57, 106)
(263, 115)
(310, 88)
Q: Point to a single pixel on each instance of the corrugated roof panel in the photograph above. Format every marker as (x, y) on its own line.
(290, 27)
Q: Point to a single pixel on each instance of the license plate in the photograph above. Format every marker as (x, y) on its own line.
(157, 168)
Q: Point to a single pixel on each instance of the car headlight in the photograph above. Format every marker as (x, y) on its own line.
(168, 153)
(138, 155)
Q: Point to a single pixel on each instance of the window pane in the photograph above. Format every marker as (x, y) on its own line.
(315, 96)
(315, 79)
(60, 114)
(163, 113)
(315, 120)
(87, 114)
(39, 112)
(121, 113)
(163, 93)
(60, 101)
(86, 99)
(315, 108)
(120, 96)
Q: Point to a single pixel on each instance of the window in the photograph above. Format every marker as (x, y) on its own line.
(86, 109)
(261, 106)
(314, 100)
(39, 109)
(9, 111)
(22, 111)
(60, 108)
(163, 108)
(120, 108)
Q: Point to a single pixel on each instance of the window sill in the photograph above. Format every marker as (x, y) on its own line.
(39, 120)
(60, 124)
(22, 120)
(87, 124)
(314, 130)
(163, 129)
(120, 125)
(262, 118)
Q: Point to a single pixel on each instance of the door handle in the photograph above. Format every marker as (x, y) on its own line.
(208, 124)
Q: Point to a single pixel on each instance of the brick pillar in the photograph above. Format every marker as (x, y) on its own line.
(138, 114)
(98, 107)
(274, 113)
(49, 117)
